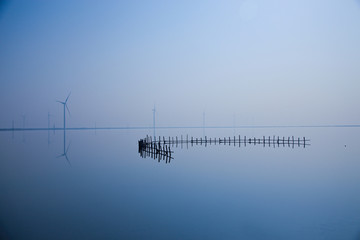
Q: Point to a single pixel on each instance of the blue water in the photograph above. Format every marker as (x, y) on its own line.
(107, 191)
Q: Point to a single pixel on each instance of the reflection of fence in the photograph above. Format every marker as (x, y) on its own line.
(160, 148)
(149, 148)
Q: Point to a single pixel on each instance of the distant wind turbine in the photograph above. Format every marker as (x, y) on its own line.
(13, 127)
(23, 118)
(203, 124)
(234, 122)
(65, 105)
(154, 111)
(23, 132)
(49, 115)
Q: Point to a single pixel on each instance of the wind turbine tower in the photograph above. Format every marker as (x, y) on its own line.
(23, 118)
(48, 120)
(203, 124)
(154, 111)
(65, 106)
(13, 127)
(234, 123)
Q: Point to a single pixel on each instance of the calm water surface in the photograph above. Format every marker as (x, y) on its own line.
(216, 192)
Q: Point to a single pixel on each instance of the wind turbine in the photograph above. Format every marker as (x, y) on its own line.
(154, 111)
(23, 128)
(65, 105)
(234, 122)
(65, 150)
(13, 127)
(23, 118)
(49, 115)
(204, 124)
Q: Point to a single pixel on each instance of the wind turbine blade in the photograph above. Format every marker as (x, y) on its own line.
(67, 109)
(60, 156)
(60, 102)
(67, 97)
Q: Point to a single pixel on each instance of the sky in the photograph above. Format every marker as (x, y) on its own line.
(248, 62)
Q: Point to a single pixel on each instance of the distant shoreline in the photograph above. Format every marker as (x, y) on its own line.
(181, 127)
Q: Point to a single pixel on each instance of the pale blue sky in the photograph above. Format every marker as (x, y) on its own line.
(275, 62)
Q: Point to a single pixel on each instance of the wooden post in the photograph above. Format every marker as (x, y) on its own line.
(187, 142)
(263, 141)
(273, 140)
(304, 142)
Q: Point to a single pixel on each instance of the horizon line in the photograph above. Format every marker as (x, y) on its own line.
(183, 127)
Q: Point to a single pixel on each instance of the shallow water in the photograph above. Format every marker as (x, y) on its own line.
(107, 191)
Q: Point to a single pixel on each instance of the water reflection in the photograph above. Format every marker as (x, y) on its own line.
(257, 192)
(155, 150)
(160, 148)
(65, 150)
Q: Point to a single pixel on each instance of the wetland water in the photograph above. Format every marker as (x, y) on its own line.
(106, 190)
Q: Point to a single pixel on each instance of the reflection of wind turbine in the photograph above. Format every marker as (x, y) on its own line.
(154, 111)
(65, 151)
(65, 105)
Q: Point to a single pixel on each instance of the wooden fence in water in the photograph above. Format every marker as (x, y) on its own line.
(160, 147)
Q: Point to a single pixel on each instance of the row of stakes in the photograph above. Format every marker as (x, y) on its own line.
(160, 147)
(265, 141)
